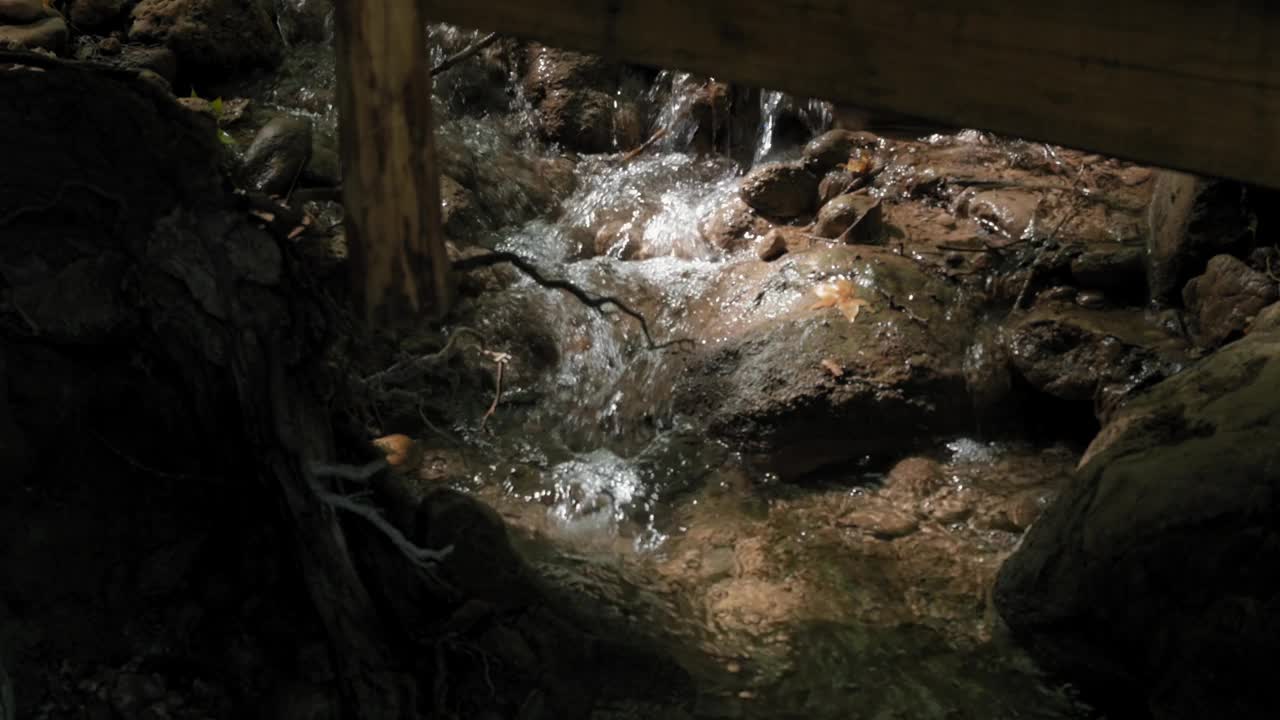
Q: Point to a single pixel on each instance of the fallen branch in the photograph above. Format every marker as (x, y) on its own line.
(632, 155)
(591, 301)
(501, 359)
(468, 52)
(1037, 263)
(407, 369)
(423, 558)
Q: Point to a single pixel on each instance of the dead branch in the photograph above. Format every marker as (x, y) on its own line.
(424, 559)
(591, 301)
(406, 369)
(466, 53)
(1037, 263)
(501, 359)
(632, 155)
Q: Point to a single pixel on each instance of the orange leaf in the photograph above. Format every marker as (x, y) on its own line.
(839, 294)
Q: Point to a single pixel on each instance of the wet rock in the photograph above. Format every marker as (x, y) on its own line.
(915, 478)
(277, 155)
(580, 120)
(620, 239)
(734, 226)
(835, 147)
(305, 20)
(460, 214)
(856, 218)
(1225, 299)
(1191, 219)
(1015, 514)
(772, 246)
(560, 175)
(1090, 357)
(780, 190)
(1119, 269)
(324, 169)
(1010, 212)
(948, 507)
(763, 388)
(1158, 560)
(883, 523)
(92, 13)
(1267, 319)
(159, 60)
(837, 183)
(212, 38)
(21, 12)
(32, 27)
(575, 98)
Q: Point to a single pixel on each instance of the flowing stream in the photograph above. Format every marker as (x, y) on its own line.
(779, 598)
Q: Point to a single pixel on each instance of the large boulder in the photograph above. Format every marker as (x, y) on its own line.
(829, 355)
(1090, 358)
(577, 100)
(212, 38)
(1225, 299)
(1152, 581)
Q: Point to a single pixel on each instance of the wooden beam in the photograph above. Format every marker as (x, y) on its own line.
(1186, 84)
(389, 184)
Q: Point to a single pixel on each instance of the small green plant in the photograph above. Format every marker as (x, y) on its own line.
(216, 106)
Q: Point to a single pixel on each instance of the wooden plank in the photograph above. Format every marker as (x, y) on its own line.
(390, 188)
(1179, 83)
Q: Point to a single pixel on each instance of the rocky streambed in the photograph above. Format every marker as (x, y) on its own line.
(874, 355)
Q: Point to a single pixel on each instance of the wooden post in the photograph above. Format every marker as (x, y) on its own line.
(389, 184)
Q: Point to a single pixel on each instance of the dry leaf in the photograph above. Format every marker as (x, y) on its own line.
(297, 231)
(859, 165)
(400, 450)
(263, 215)
(832, 367)
(839, 294)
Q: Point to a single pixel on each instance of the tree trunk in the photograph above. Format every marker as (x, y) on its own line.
(390, 188)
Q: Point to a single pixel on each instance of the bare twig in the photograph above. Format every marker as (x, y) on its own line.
(632, 155)
(501, 359)
(1037, 266)
(591, 301)
(466, 53)
(423, 558)
(406, 369)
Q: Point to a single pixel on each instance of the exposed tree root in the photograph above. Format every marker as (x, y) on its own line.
(591, 301)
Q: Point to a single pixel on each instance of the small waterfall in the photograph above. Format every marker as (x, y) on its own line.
(786, 122)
